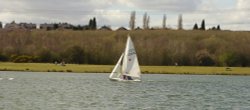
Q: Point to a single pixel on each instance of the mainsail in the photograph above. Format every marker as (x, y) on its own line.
(130, 66)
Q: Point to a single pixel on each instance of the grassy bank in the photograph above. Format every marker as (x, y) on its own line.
(46, 67)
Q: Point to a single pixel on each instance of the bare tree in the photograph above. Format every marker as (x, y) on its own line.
(145, 17)
(148, 20)
(180, 27)
(132, 20)
(164, 21)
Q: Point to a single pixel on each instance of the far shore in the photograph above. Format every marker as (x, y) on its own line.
(75, 68)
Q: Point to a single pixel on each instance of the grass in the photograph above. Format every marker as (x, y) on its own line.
(199, 70)
(48, 67)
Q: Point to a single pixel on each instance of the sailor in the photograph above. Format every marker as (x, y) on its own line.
(129, 78)
(125, 77)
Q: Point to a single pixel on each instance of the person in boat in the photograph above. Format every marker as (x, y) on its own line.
(125, 77)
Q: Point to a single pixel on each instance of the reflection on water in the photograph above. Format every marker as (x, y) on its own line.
(69, 91)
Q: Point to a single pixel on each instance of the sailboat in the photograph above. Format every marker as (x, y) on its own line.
(127, 68)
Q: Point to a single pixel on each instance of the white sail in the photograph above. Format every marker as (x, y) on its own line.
(116, 72)
(130, 66)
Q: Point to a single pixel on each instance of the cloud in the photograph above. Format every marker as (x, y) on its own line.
(239, 17)
(243, 3)
(116, 13)
(231, 15)
(74, 11)
(243, 7)
(167, 5)
(113, 18)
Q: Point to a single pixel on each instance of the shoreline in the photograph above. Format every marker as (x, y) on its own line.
(76, 68)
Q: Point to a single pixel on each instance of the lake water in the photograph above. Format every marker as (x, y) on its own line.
(72, 91)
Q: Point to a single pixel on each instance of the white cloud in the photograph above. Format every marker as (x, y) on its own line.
(231, 15)
(243, 3)
(169, 5)
(116, 13)
(50, 10)
(113, 18)
(239, 18)
(243, 8)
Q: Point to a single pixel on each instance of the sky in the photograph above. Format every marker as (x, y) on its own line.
(229, 14)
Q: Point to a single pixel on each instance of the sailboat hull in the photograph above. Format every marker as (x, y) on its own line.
(119, 79)
(115, 79)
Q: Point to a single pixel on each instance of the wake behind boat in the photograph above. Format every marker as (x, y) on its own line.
(127, 68)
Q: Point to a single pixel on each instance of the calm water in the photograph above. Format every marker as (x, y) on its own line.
(64, 91)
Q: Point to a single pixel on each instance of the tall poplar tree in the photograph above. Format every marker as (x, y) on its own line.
(180, 27)
(146, 20)
(94, 24)
(132, 20)
(1, 25)
(164, 21)
(145, 17)
(90, 24)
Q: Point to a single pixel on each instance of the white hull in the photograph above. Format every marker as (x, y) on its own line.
(119, 79)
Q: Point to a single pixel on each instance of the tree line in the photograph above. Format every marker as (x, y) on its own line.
(146, 23)
(92, 25)
(154, 47)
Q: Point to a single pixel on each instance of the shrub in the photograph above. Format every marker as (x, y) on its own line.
(3, 57)
(13, 57)
(204, 58)
(206, 61)
(35, 59)
(183, 60)
(23, 59)
(68, 70)
(166, 60)
(233, 59)
(45, 56)
(75, 54)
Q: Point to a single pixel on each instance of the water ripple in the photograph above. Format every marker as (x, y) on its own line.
(60, 91)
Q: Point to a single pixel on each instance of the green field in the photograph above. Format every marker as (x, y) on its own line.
(48, 67)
